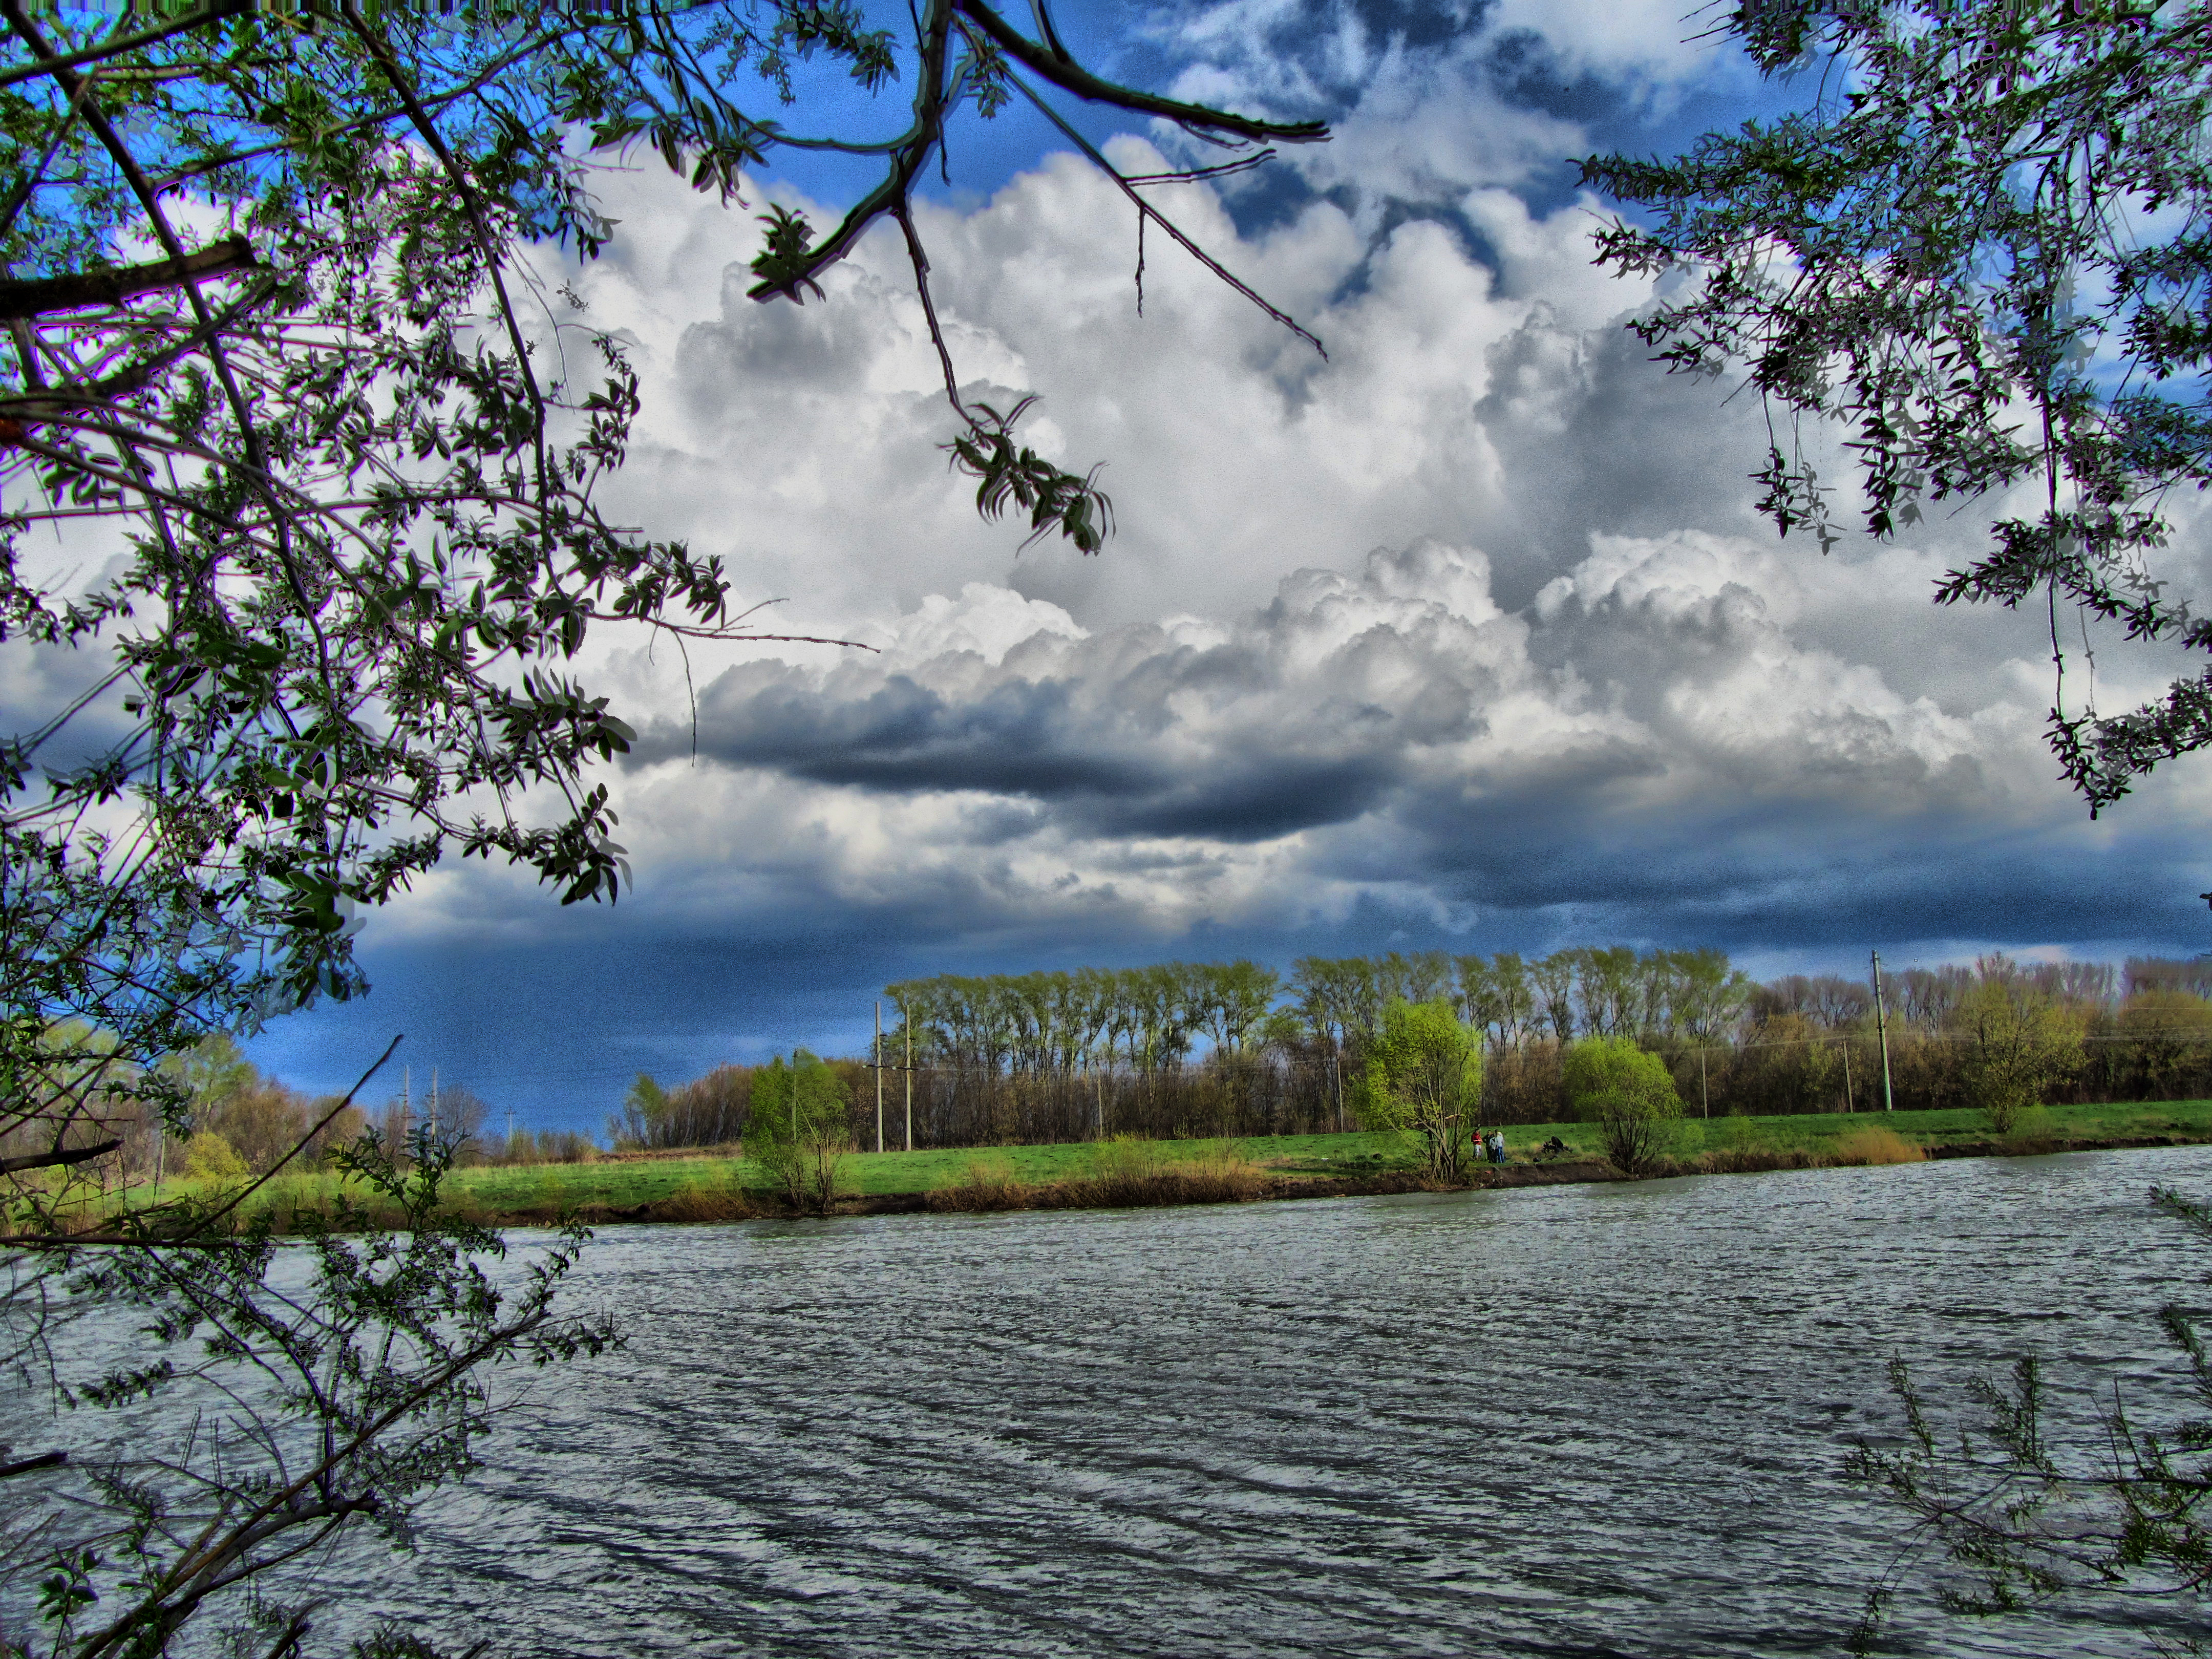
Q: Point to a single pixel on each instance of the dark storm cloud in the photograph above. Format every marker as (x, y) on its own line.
(1313, 711)
(1646, 737)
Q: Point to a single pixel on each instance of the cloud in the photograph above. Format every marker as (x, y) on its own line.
(1468, 635)
(1385, 730)
(1430, 99)
(1577, 670)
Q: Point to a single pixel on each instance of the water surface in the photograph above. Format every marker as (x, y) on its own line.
(1586, 1420)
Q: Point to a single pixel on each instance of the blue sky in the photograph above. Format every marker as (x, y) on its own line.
(1466, 638)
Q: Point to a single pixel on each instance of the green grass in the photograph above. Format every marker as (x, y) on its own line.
(615, 1186)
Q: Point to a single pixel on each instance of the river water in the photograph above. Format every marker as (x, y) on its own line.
(1581, 1421)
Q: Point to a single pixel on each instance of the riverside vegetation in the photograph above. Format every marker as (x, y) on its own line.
(1602, 1048)
(719, 1184)
(1180, 1050)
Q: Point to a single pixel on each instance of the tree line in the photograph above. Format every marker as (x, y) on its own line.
(1237, 1048)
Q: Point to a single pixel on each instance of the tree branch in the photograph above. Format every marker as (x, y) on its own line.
(38, 296)
(1070, 76)
(57, 1158)
(117, 44)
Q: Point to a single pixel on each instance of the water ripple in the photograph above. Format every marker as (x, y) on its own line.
(1574, 1421)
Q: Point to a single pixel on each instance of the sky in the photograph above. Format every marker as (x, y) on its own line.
(1466, 636)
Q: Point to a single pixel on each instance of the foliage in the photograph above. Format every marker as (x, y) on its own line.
(212, 1073)
(1424, 1078)
(707, 1111)
(277, 364)
(645, 1105)
(299, 1397)
(2166, 1030)
(1062, 1056)
(1790, 1064)
(800, 1128)
(1628, 1092)
(2022, 1043)
(208, 1157)
(1983, 250)
(2025, 1519)
(277, 371)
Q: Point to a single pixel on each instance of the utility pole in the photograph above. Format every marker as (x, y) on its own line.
(1881, 1030)
(879, 1074)
(1705, 1095)
(908, 1024)
(434, 1103)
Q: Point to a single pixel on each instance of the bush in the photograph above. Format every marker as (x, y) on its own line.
(2023, 1043)
(799, 1130)
(208, 1157)
(1629, 1093)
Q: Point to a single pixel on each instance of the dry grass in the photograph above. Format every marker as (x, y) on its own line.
(989, 1184)
(1876, 1144)
(1125, 1173)
(706, 1201)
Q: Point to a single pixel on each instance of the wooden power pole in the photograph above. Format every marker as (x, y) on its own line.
(1881, 1030)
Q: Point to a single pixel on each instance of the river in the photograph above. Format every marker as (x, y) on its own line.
(1581, 1421)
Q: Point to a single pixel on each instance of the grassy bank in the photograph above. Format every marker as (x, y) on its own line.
(706, 1188)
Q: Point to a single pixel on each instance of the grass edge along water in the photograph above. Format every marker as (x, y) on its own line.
(722, 1185)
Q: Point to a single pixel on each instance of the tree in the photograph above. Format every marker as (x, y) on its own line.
(1981, 250)
(273, 365)
(645, 1105)
(1424, 1078)
(269, 337)
(800, 1128)
(212, 1071)
(1238, 995)
(1628, 1091)
(2027, 1518)
(2021, 1042)
(2164, 1030)
(328, 1404)
(1553, 977)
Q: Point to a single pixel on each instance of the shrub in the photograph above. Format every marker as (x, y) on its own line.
(798, 1130)
(1629, 1093)
(208, 1157)
(2022, 1043)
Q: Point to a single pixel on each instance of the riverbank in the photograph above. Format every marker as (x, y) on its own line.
(1129, 1174)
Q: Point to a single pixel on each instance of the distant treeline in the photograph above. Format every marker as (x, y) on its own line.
(1235, 1048)
(242, 1123)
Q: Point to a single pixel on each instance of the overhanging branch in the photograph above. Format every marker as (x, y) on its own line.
(58, 1158)
(1064, 72)
(41, 294)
